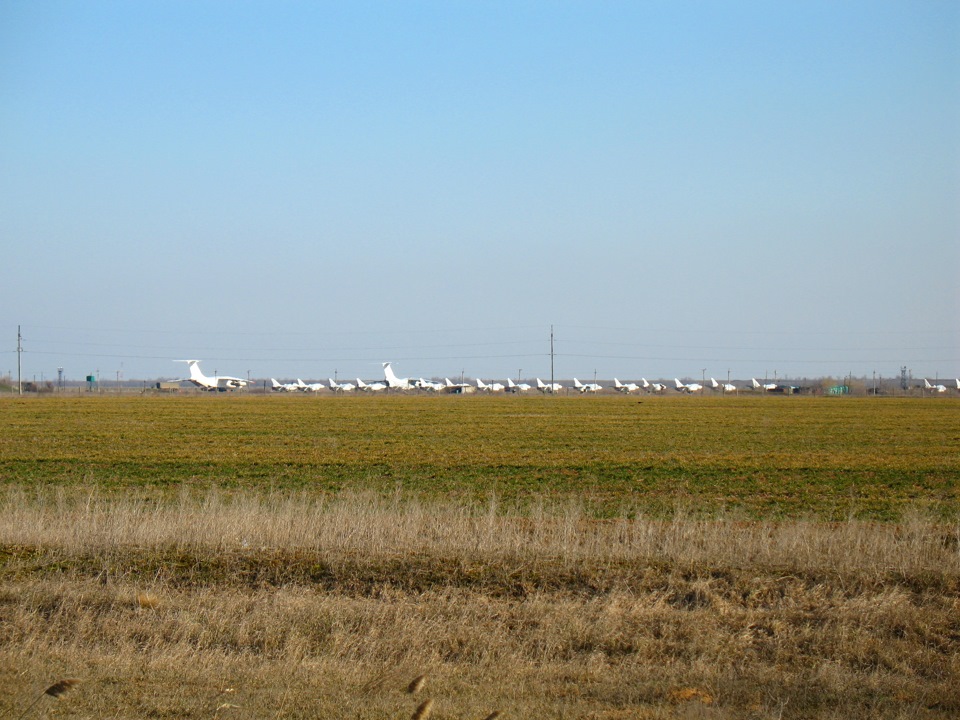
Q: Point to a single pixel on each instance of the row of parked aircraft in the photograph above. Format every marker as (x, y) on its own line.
(392, 382)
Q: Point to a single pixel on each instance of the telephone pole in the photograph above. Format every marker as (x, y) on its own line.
(19, 365)
(551, 359)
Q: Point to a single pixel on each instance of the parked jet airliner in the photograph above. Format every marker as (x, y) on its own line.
(516, 387)
(283, 387)
(310, 387)
(625, 387)
(688, 387)
(653, 387)
(371, 387)
(936, 388)
(492, 387)
(727, 387)
(341, 387)
(217, 382)
(588, 387)
(548, 388)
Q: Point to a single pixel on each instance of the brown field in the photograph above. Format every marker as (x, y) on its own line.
(207, 597)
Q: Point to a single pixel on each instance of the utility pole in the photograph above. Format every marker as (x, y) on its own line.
(551, 359)
(19, 365)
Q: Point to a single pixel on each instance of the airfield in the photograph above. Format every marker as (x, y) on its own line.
(302, 555)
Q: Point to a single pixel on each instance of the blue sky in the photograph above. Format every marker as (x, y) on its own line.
(296, 188)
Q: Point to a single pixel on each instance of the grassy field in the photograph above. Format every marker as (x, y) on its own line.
(763, 457)
(307, 557)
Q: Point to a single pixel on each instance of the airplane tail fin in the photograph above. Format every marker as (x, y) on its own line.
(195, 373)
(714, 383)
(577, 384)
(512, 384)
(540, 385)
(754, 382)
(927, 385)
(389, 375)
(679, 384)
(617, 384)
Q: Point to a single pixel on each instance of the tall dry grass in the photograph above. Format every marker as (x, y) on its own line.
(368, 525)
(297, 606)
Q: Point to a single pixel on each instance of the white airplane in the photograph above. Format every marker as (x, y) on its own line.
(283, 387)
(217, 382)
(492, 387)
(727, 387)
(625, 387)
(393, 382)
(516, 387)
(548, 388)
(341, 387)
(688, 387)
(958, 383)
(428, 385)
(935, 388)
(768, 387)
(589, 387)
(457, 388)
(310, 387)
(372, 387)
(653, 387)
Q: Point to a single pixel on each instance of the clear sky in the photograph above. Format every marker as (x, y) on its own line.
(294, 188)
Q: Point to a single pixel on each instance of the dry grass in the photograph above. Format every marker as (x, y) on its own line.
(303, 607)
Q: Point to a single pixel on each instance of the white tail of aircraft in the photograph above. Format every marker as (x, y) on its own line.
(283, 387)
(588, 387)
(766, 386)
(491, 387)
(548, 387)
(217, 382)
(340, 387)
(654, 387)
(625, 387)
(688, 387)
(936, 388)
(310, 387)
(393, 381)
(516, 387)
(726, 387)
(371, 387)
